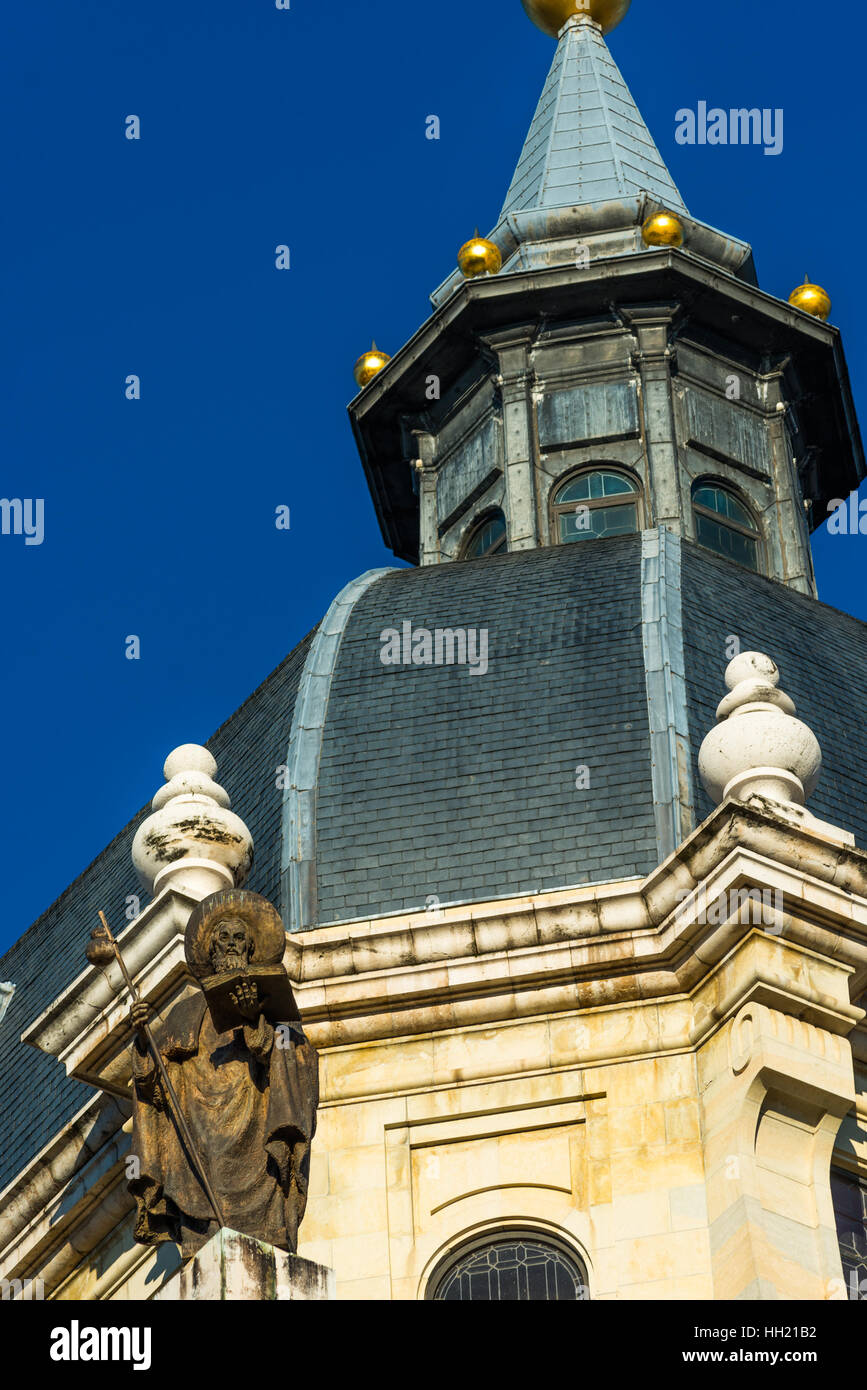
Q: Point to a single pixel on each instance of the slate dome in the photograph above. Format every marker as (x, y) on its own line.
(374, 787)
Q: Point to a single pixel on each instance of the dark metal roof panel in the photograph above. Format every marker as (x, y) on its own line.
(435, 782)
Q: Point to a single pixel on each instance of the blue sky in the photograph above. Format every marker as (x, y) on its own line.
(156, 257)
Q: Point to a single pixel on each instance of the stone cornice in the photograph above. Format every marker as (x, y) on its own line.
(63, 1186)
(609, 911)
(543, 953)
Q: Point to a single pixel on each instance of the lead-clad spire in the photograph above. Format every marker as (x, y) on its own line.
(588, 142)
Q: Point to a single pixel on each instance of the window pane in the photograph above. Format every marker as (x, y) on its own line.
(576, 491)
(598, 522)
(716, 499)
(614, 483)
(849, 1195)
(513, 1271)
(594, 486)
(724, 541)
(490, 538)
(707, 497)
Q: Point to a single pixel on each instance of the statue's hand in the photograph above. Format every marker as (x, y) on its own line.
(138, 1017)
(245, 997)
(259, 1038)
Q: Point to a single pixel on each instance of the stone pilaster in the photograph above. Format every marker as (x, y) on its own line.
(653, 358)
(425, 467)
(795, 563)
(774, 1089)
(516, 387)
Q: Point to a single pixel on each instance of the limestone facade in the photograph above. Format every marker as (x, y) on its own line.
(655, 1075)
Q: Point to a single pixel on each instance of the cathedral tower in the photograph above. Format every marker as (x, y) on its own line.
(566, 821)
(616, 358)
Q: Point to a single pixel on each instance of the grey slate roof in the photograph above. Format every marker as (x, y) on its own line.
(435, 782)
(36, 1097)
(822, 655)
(588, 142)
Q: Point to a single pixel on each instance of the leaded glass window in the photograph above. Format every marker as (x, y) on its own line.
(723, 524)
(594, 504)
(489, 538)
(849, 1195)
(511, 1271)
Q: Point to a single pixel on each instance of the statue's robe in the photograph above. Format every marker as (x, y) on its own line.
(250, 1105)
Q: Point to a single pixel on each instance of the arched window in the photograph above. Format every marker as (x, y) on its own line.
(849, 1195)
(723, 524)
(488, 538)
(513, 1269)
(596, 503)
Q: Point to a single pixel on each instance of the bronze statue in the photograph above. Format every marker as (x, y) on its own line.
(238, 1068)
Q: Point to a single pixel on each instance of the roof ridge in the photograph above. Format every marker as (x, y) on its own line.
(559, 56)
(564, 162)
(606, 100)
(125, 830)
(271, 674)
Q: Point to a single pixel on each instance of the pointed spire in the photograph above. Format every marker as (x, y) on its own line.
(588, 142)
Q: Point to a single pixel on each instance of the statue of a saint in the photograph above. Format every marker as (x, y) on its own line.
(246, 1080)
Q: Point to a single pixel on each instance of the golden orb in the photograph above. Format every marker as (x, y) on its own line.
(478, 256)
(812, 299)
(369, 364)
(551, 15)
(662, 229)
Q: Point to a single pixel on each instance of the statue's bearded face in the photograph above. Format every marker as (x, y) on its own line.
(231, 945)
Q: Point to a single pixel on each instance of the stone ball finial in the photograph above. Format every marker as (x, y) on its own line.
(751, 666)
(190, 757)
(192, 841)
(758, 748)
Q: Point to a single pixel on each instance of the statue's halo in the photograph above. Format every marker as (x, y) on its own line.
(262, 918)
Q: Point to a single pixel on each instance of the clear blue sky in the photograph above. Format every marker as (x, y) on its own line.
(156, 257)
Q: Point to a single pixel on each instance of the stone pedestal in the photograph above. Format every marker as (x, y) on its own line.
(233, 1266)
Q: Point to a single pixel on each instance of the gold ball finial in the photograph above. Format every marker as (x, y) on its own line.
(812, 299)
(369, 365)
(551, 15)
(478, 256)
(662, 229)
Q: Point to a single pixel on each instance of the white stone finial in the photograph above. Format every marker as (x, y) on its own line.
(190, 757)
(7, 989)
(758, 748)
(192, 840)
